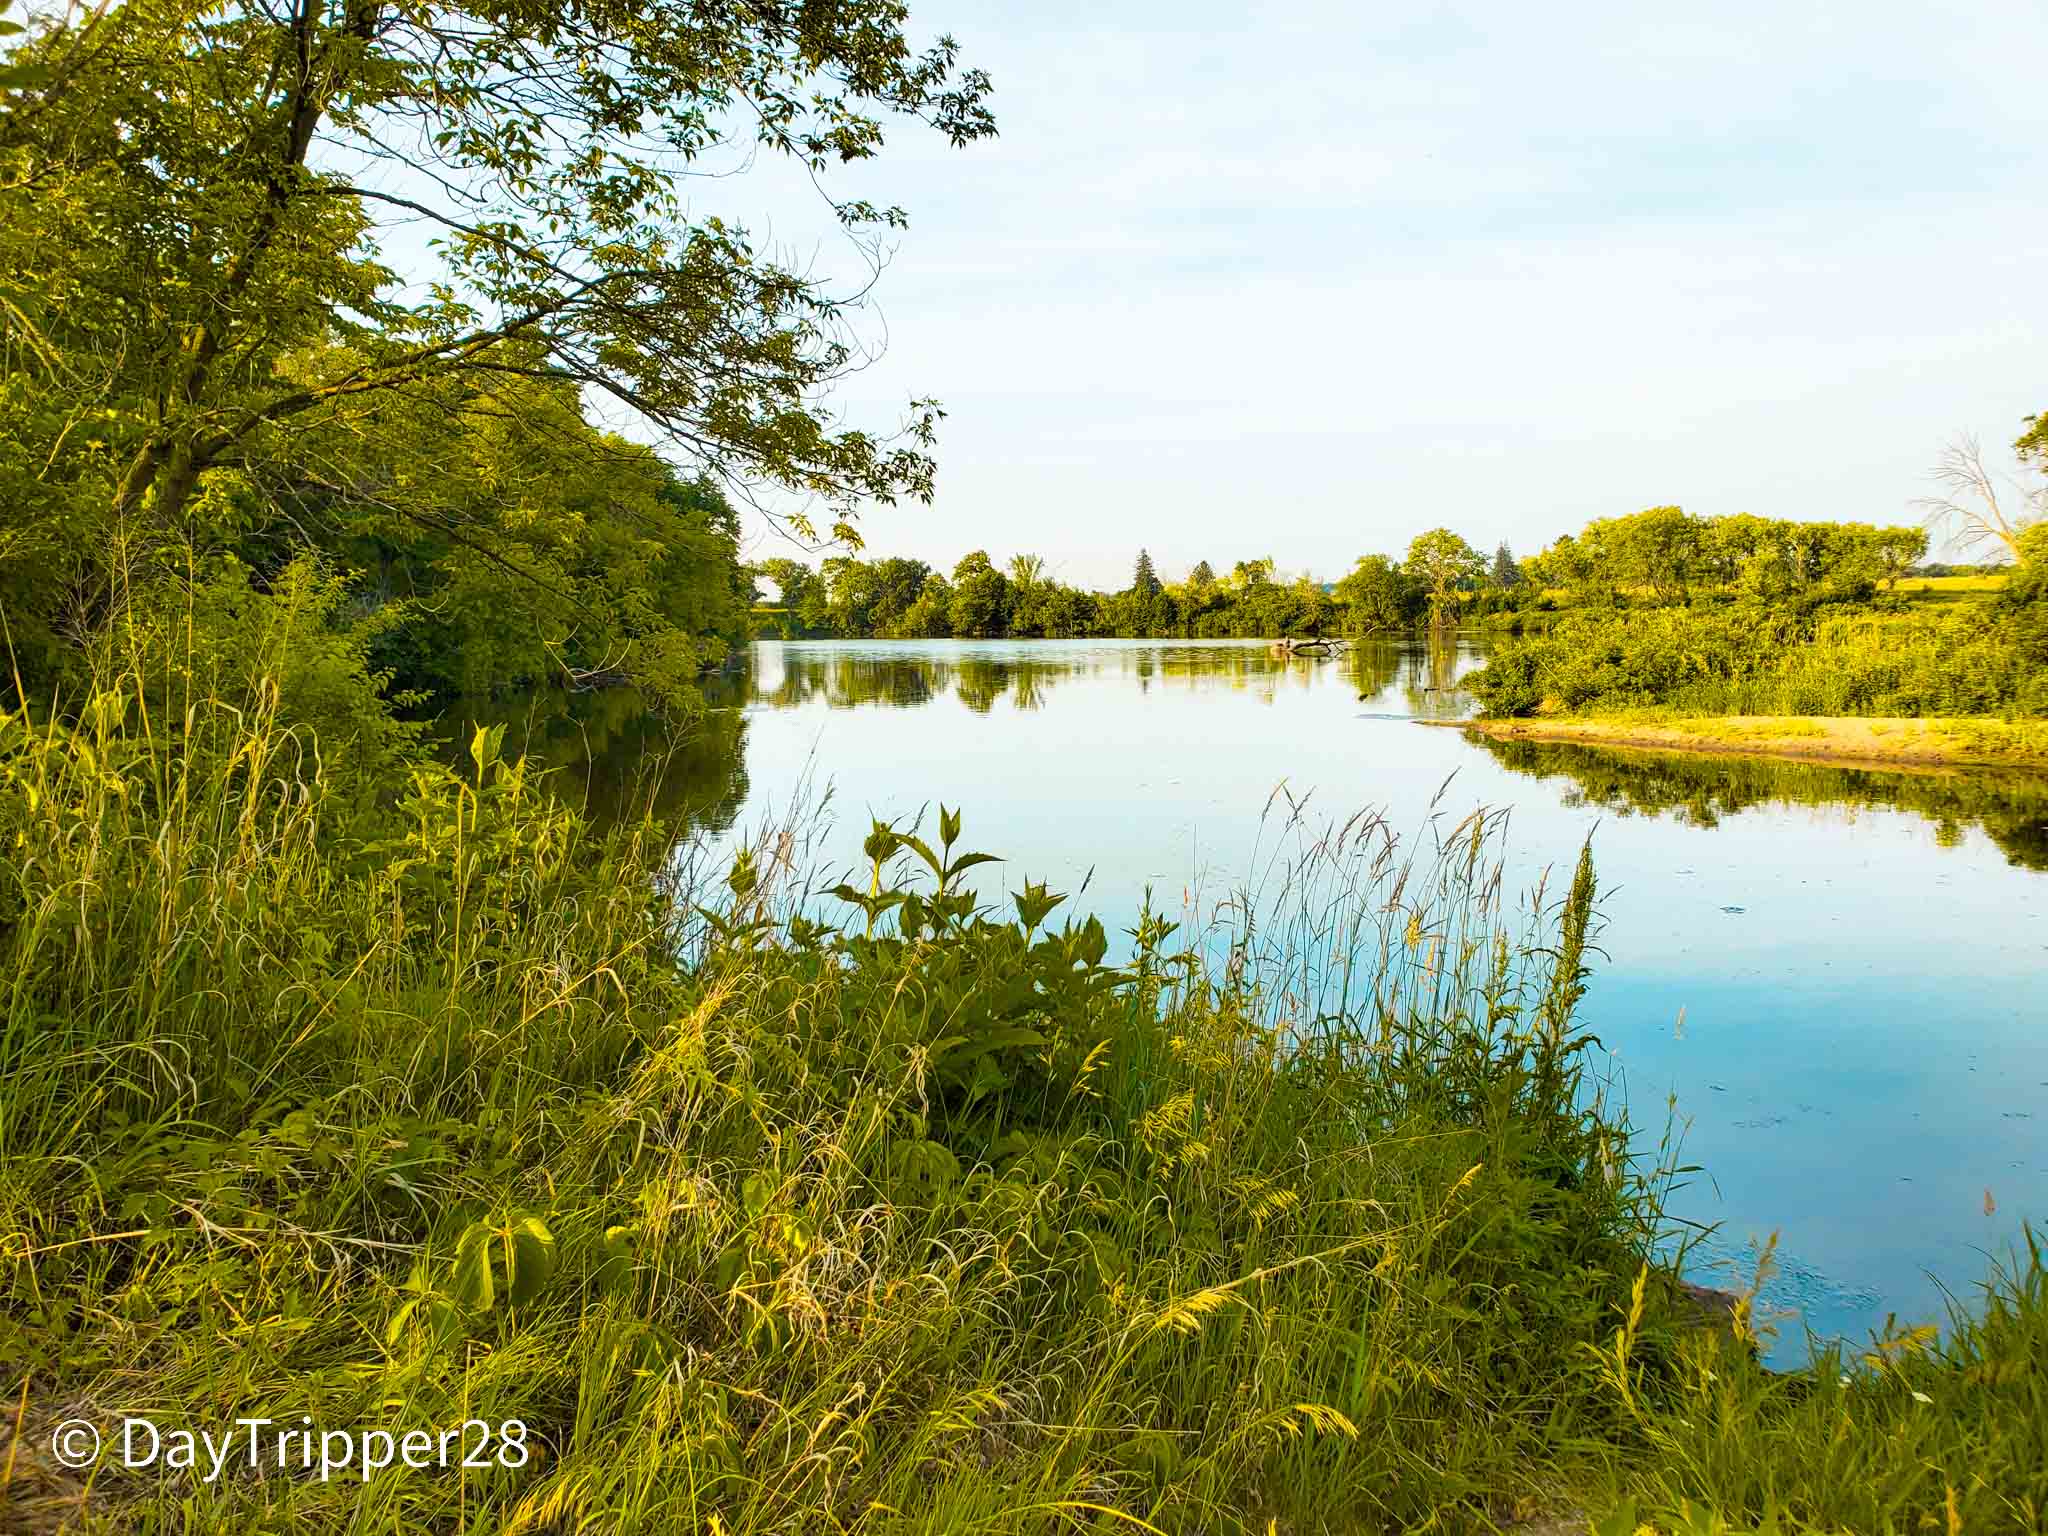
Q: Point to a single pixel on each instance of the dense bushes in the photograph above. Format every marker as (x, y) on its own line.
(1746, 660)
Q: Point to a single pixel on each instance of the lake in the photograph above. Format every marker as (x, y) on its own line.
(1836, 976)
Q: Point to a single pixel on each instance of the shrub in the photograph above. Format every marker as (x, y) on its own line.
(1746, 660)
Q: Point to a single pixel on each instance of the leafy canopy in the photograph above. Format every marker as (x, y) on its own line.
(196, 208)
(1441, 561)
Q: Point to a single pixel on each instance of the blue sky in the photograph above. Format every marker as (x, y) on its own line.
(1305, 284)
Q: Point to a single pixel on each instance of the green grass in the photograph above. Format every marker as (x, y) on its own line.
(913, 1218)
(1951, 586)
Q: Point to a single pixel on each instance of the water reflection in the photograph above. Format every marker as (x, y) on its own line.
(1408, 677)
(611, 755)
(1699, 790)
(616, 758)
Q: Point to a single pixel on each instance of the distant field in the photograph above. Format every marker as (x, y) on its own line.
(1930, 586)
(1990, 582)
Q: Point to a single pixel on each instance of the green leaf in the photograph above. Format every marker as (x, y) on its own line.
(470, 1284)
(994, 1040)
(881, 844)
(529, 1259)
(968, 861)
(484, 745)
(918, 846)
(1035, 904)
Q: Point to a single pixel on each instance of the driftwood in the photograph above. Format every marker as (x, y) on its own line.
(1288, 646)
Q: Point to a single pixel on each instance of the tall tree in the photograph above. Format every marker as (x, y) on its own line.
(1202, 577)
(1440, 561)
(1377, 595)
(1507, 575)
(1144, 580)
(980, 606)
(194, 194)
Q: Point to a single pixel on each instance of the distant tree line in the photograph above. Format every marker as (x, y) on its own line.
(900, 598)
(1658, 557)
(1665, 556)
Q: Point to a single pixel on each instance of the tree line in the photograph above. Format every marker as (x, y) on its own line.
(901, 598)
(1655, 557)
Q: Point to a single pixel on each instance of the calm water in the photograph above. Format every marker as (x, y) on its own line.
(1859, 958)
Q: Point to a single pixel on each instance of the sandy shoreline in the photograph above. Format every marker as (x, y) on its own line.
(1850, 741)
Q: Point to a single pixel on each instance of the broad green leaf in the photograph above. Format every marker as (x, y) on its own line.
(470, 1284)
(529, 1259)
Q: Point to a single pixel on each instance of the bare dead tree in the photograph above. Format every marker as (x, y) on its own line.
(1969, 511)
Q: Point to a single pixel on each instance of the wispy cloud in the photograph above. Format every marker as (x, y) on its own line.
(1232, 285)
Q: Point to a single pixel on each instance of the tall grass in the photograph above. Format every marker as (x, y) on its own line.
(789, 1211)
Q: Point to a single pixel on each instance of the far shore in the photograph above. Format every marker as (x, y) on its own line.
(1853, 741)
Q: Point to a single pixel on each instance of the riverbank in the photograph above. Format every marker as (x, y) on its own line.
(1892, 742)
(752, 1205)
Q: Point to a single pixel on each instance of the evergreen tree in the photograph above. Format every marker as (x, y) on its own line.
(1202, 576)
(1506, 573)
(1144, 581)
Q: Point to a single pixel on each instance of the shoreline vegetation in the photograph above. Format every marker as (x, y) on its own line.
(867, 1208)
(1653, 558)
(1895, 743)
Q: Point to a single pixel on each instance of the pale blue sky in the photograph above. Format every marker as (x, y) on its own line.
(1304, 285)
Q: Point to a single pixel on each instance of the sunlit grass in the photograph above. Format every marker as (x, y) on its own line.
(785, 1212)
(1990, 581)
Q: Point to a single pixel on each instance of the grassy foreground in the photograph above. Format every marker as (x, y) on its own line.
(929, 1219)
(1891, 742)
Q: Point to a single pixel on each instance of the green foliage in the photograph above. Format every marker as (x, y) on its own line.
(1749, 660)
(1144, 580)
(903, 599)
(1506, 571)
(1664, 555)
(478, 1119)
(513, 544)
(1442, 563)
(227, 125)
(981, 599)
(1661, 557)
(205, 352)
(1378, 596)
